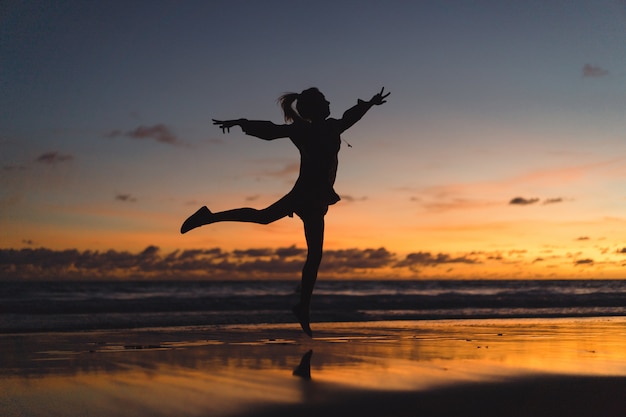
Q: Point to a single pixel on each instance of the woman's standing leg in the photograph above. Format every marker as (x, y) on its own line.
(314, 234)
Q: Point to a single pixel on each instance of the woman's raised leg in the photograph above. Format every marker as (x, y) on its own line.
(204, 216)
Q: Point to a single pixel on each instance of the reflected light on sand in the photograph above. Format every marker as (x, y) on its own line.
(444, 353)
(233, 370)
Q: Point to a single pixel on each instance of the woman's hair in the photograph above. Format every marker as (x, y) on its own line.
(303, 109)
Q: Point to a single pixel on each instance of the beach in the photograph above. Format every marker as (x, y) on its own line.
(469, 367)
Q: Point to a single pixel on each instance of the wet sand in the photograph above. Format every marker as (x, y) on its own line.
(505, 367)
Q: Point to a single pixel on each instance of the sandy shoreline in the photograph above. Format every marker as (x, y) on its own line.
(513, 367)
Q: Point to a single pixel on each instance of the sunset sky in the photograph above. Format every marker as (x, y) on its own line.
(501, 152)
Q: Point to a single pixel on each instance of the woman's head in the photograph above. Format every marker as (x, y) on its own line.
(311, 105)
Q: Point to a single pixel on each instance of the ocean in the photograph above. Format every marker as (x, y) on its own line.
(104, 305)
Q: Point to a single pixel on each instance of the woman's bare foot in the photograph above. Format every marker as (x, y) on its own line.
(303, 318)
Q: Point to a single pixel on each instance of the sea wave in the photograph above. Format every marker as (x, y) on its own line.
(49, 306)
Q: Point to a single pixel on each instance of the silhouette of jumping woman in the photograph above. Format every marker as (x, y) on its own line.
(317, 137)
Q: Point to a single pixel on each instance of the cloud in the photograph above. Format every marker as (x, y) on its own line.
(583, 238)
(594, 71)
(214, 263)
(586, 261)
(254, 253)
(421, 259)
(623, 250)
(125, 198)
(552, 200)
(521, 201)
(348, 260)
(159, 132)
(53, 157)
(290, 251)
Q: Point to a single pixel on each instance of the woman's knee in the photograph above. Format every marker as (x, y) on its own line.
(314, 256)
(267, 216)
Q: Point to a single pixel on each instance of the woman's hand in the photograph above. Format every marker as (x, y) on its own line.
(379, 98)
(225, 125)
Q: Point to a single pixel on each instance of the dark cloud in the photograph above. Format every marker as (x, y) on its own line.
(422, 259)
(253, 252)
(53, 157)
(152, 263)
(346, 260)
(594, 71)
(583, 238)
(521, 201)
(623, 250)
(290, 252)
(159, 132)
(552, 200)
(125, 198)
(151, 251)
(586, 261)
(193, 253)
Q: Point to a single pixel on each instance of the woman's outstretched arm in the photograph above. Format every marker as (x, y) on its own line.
(354, 114)
(258, 128)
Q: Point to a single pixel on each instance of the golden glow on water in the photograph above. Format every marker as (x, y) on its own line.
(451, 351)
(228, 370)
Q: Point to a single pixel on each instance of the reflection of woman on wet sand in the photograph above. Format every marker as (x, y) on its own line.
(317, 137)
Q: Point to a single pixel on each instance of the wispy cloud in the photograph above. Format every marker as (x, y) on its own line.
(594, 71)
(159, 133)
(486, 194)
(127, 198)
(553, 200)
(521, 201)
(53, 157)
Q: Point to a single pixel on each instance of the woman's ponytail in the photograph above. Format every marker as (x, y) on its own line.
(286, 103)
